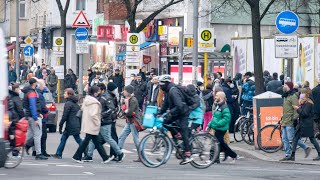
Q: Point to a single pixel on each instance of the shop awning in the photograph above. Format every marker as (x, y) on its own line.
(146, 45)
(10, 47)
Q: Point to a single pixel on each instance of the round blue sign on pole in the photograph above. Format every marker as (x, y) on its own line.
(287, 22)
(28, 51)
(81, 34)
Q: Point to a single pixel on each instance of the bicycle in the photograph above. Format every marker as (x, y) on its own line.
(247, 131)
(266, 142)
(239, 125)
(155, 149)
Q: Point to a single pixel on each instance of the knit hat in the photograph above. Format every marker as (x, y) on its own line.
(129, 89)
(111, 86)
(290, 85)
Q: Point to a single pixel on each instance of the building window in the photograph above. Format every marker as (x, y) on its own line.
(22, 11)
(81, 5)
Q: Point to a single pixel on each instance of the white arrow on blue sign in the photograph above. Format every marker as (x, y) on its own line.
(287, 22)
(28, 51)
(81, 34)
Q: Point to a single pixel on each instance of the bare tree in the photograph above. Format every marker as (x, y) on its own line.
(63, 17)
(132, 6)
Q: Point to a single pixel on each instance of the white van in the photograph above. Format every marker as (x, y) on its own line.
(3, 97)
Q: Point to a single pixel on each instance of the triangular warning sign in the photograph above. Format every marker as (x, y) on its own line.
(81, 21)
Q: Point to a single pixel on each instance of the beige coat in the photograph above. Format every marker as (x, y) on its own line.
(91, 115)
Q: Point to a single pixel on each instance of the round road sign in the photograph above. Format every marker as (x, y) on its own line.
(58, 41)
(81, 34)
(287, 22)
(206, 35)
(133, 39)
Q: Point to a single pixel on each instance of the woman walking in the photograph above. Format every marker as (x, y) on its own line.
(91, 123)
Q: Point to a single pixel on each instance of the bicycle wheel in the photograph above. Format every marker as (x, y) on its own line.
(237, 128)
(269, 138)
(247, 132)
(205, 150)
(154, 150)
(14, 157)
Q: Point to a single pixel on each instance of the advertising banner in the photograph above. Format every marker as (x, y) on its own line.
(187, 74)
(239, 52)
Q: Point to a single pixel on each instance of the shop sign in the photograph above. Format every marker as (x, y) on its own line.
(105, 33)
(173, 36)
(146, 59)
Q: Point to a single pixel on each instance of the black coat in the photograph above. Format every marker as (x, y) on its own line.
(73, 123)
(316, 99)
(306, 120)
(108, 109)
(17, 108)
(208, 99)
(140, 90)
(118, 80)
(155, 94)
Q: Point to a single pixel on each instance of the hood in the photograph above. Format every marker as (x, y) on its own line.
(27, 89)
(90, 100)
(252, 78)
(73, 99)
(13, 93)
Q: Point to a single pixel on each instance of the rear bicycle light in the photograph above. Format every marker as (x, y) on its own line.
(51, 107)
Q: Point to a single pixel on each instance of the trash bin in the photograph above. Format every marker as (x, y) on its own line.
(267, 109)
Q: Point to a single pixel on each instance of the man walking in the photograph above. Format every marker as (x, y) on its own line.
(118, 80)
(153, 92)
(31, 104)
(140, 90)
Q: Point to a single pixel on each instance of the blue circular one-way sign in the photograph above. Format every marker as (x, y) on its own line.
(287, 22)
(81, 34)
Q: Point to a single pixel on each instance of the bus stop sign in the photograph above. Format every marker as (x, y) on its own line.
(287, 22)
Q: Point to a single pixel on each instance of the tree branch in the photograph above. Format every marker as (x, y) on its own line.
(146, 21)
(266, 9)
(251, 4)
(60, 6)
(67, 7)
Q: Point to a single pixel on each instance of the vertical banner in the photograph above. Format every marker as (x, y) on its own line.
(271, 63)
(250, 64)
(317, 75)
(239, 54)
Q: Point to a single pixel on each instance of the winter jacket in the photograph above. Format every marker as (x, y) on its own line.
(155, 93)
(221, 118)
(31, 103)
(198, 114)
(91, 115)
(115, 103)
(12, 76)
(289, 114)
(17, 109)
(118, 80)
(274, 85)
(306, 120)
(175, 102)
(96, 81)
(208, 99)
(133, 110)
(248, 90)
(228, 91)
(140, 90)
(70, 110)
(52, 82)
(108, 108)
(316, 99)
(70, 81)
(44, 109)
(91, 77)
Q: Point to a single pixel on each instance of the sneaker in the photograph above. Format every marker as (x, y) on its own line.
(307, 152)
(317, 158)
(15, 152)
(87, 159)
(77, 161)
(41, 157)
(108, 160)
(137, 160)
(233, 161)
(186, 160)
(291, 158)
(119, 158)
(56, 156)
(34, 153)
(46, 154)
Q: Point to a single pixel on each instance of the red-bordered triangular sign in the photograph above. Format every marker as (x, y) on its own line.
(81, 21)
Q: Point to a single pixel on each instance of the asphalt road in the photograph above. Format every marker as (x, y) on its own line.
(66, 169)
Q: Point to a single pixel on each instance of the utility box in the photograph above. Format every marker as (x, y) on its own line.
(267, 109)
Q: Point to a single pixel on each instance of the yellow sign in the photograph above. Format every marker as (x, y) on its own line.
(133, 39)
(206, 35)
(58, 41)
(28, 40)
(133, 48)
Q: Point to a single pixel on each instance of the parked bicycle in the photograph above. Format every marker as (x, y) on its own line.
(155, 149)
(243, 128)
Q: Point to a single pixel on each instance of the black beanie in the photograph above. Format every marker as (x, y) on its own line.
(129, 89)
(111, 86)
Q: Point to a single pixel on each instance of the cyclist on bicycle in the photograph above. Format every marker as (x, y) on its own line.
(175, 102)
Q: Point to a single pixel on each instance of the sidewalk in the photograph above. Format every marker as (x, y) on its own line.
(249, 151)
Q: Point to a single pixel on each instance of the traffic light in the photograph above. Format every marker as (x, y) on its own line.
(188, 42)
(47, 38)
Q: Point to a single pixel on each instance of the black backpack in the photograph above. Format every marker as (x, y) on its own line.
(190, 95)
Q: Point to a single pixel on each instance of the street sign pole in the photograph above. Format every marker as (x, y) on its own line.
(17, 42)
(59, 83)
(195, 40)
(205, 70)
(181, 57)
(80, 90)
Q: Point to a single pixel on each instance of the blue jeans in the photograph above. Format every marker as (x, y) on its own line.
(105, 132)
(63, 142)
(129, 128)
(287, 138)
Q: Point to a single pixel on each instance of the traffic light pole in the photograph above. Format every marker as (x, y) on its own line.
(181, 57)
(195, 42)
(17, 53)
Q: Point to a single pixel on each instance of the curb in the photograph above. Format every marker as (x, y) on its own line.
(259, 156)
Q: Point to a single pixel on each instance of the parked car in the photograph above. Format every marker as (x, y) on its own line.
(53, 112)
